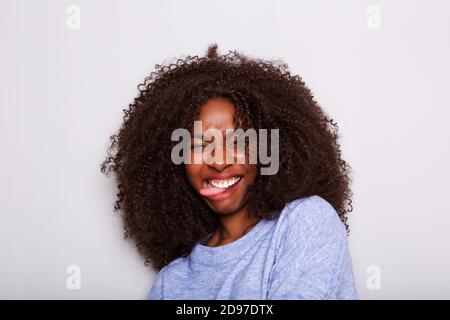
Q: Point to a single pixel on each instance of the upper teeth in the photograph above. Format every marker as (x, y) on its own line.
(224, 183)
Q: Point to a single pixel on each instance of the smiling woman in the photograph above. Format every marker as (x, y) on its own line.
(223, 185)
(220, 228)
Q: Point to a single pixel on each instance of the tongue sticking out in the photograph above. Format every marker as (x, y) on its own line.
(209, 190)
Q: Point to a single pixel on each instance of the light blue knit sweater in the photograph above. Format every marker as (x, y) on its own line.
(301, 255)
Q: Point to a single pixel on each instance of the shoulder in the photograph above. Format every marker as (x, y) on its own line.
(310, 218)
(175, 268)
(312, 258)
(312, 212)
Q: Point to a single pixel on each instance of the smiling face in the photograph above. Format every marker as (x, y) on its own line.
(223, 185)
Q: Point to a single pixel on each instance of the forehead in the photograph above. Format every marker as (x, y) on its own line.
(217, 113)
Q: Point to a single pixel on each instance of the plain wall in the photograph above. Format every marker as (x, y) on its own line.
(63, 91)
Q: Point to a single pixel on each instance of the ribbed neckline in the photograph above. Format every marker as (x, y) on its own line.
(218, 255)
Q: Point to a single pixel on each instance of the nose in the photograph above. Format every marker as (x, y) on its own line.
(219, 165)
(218, 158)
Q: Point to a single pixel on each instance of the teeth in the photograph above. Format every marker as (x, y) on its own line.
(223, 184)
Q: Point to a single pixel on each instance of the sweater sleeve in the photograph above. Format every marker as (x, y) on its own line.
(156, 292)
(313, 260)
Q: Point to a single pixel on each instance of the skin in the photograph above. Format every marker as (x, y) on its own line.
(234, 221)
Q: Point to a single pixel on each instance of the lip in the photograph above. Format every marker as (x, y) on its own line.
(229, 191)
(222, 176)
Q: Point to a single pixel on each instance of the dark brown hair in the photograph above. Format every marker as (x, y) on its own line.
(161, 212)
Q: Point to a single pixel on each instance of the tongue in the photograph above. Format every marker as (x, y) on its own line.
(209, 190)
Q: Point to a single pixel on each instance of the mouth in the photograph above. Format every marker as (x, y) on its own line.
(218, 189)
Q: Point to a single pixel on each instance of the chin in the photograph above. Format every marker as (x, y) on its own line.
(227, 206)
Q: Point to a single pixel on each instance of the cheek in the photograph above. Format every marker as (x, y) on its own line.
(193, 173)
(252, 171)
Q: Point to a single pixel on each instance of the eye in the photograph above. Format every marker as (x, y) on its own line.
(199, 145)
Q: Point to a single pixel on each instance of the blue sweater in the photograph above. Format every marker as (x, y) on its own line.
(303, 254)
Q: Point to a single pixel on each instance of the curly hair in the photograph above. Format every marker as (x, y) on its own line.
(160, 210)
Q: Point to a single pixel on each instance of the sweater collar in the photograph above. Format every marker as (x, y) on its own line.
(221, 254)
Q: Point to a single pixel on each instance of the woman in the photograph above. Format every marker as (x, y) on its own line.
(219, 228)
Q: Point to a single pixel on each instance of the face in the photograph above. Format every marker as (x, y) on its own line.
(222, 184)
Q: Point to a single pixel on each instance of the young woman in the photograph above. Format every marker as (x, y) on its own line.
(221, 229)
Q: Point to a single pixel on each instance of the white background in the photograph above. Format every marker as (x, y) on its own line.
(63, 91)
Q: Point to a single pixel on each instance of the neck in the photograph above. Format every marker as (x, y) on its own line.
(232, 227)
